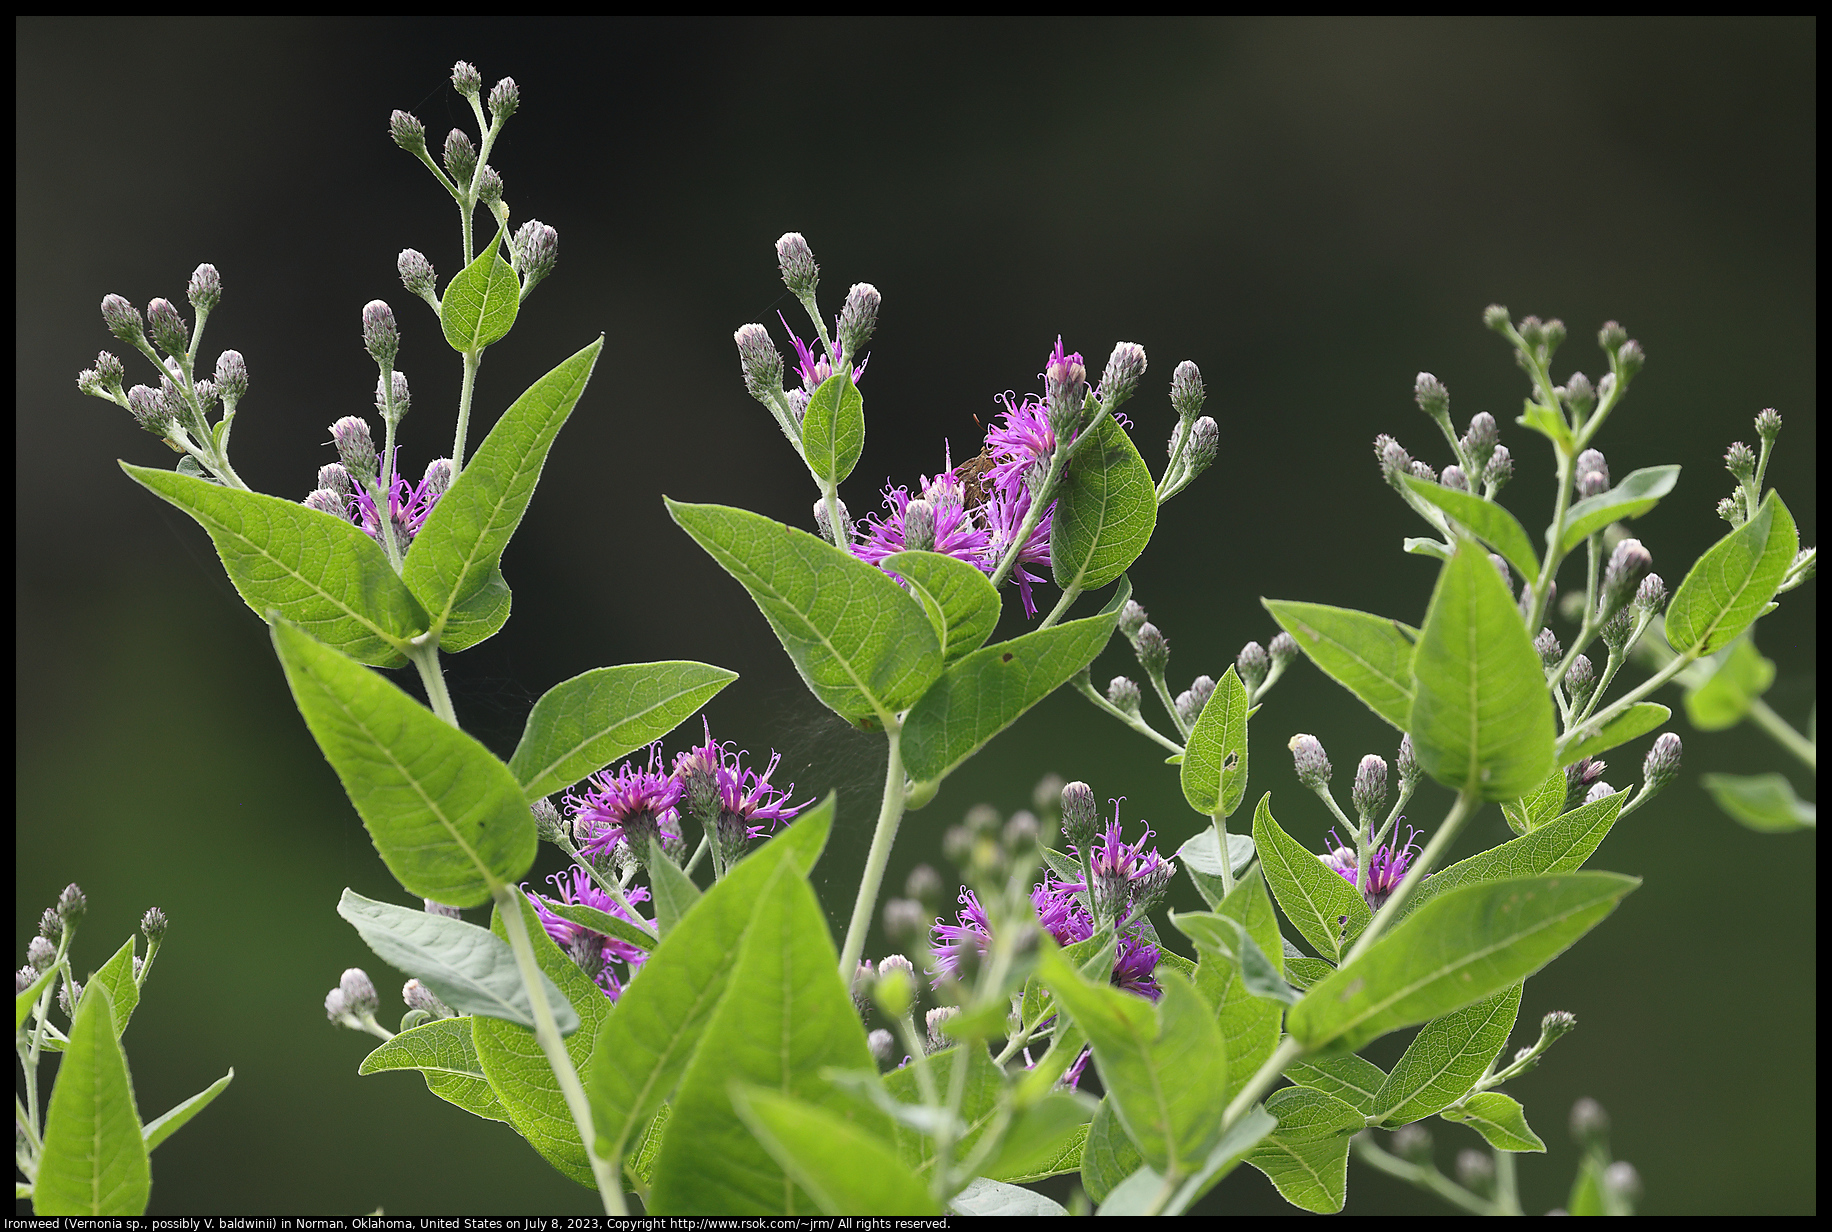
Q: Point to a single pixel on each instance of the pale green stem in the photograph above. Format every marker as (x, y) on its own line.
(1288, 1051)
(1428, 1179)
(1086, 687)
(471, 362)
(1536, 615)
(1674, 666)
(1507, 1185)
(890, 813)
(547, 1033)
(1062, 605)
(1166, 1192)
(1466, 806)
(699, 853)
(1040, 502)
(943, 1179)
(830, 493)
(1221, 843)
(1169, 703)
(432, 676)
(1763, 716)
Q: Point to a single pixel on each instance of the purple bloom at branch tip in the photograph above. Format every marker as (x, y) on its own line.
(594, 952)
(741, 803)
(1387, 866)
(633, 804)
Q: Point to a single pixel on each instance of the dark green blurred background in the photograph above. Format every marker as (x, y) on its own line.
(1312, 211)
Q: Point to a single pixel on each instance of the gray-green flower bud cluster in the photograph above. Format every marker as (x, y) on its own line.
(1591, 474)
(205, 289)
(1186, 390)
(1123, 693)
(795, 259)
(1407, 765)
(919, 525)
(1499, 470)
(1580, 680)
(505, 97)
(170, 334)
(1432, 396)
(417, 275)
(1661, 765)
(548, 826)
(1310, 761)
(466, 79)
(1252, 664)
(1579, 394)
(1121, 376)
(407, 132)
(1370, 790)
(1628, 565)
(460, 157)
(1191, 701)
(1080, 814)
(359, 996)
(1153, 649)
(381, 336)
(858, 318)
(153, 924)
(355, 448)
(1739, 459)
(760, 362)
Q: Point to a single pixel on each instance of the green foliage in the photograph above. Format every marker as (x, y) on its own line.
(582, 725)
(1465, 945)
(1445, 1059)
(846, 1170)
(1638, 720)
(449, 819)
(164, 1126)
(675, 893)
(1249, 1024)
(444, 1052)
(117, 976)
(1109, 1156)
(455, 565)
(1370, 656)
(601, 922)
(1484, 519)
(1200, 857)
(996, 1198)
(1764, 802)
(961, 604)
(1312, 1176)
(862, 645)
(95, 1154)
(1306, 1114)
(982, 1087)
(1106, 508)
(833, 428)
(480, 303)
(1559, 847)
(1732, 583)
(1320, 903)
(1638, 492)
(1214, 771)
(1481, 718)
(1353, 1080)
(1739, 674)
(1500, 1120)
(319, 572)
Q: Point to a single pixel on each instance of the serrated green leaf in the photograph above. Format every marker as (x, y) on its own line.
(117, 975)
(1106, 508)
(1319, 902)
(1446, 1058)
(862, 646)
(1485, 520)
(319, 572)
(661, 1017)
(1312, 1176)
(984, 692)
(1738, 676)
(844, 1168)
(1638, 492)
(444, 1051)
(1200, 857)
(449, 820)
(1638, 720)
(1464, 945)
(1764, 802)
(1560, 846)
(1733, 581)
(1306, 1114)
(94, 1159)
(1249, 1023)
(1040, 1136)
(1500, 1120)
(601, 922)
(455, 565)
(1067, 1160)
(582, 725)
(675, 893)
(480, 303)
(1370, 656)
(985, 1196)
(1481, 717)
(961, 604)
(1214, 774)
(833, 428)
(471, 970)
(981, 1088)
(1109, 1156)
(1351, 1079)
(786, 1016)
(160, 1128)
(1139, 1193)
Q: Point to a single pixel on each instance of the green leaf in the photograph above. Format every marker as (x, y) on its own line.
(1068, 1159)
(455, 564)
(1312, 1176)
(1303, 970)
(846, 1170)
(1764, 802)
(1548, 423)
(518, 1070)
(1587, 1187)
(1446, 1058)
(472, 970)
(1214, 774)
(862, 646)
(984, 692)
(1638, 492)
(661, 1017)
(94, 1160)
(1200, 857)
(1638, 720)
(601, 922)
(981, 1089)
(1138, 1193)
(1106, 507)
(117, 975)
(1733, 581)
(480, 303)
(1109, 1156)
(962, 606)
(1485, 520)
(26, 1000)
(785, 1017)
(320, 572)
(1370, 656)
(989, 1197)
(1319, 901)
(1040, 1137)
(1560, 846)
(162, 1127)
(1500, 1120)
(1351, 1079)
(1249, 1023)
(1738, 676)
(1481, 719)
(1538, 806)
(449, 819)
(444, 1051)
(833, 428)
(1424, 546)
(674, 891)
(1306, 1114)
(1457, 949)
(640, 1163)
(584, 724)
(1165, 1065)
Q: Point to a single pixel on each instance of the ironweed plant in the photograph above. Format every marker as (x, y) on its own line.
(671, 1017)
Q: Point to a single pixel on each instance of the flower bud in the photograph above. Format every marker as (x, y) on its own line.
(1580, 679)
(1476, 1172)
(358, 993)
(1495, 317)
(1412, 1143)
(796, 261)
(1124, 694)
(123, 320)
(1080, 814)
(1730, 508)
(1554, 336)
(1622, 1181)
(153, 925)
(438, 908)
(825, 525)
(1310, 761)
(895, 986)
(71, 905)
(108, 370)
(335, 479)
(759, 360)
(1065, 388)
(1186, 390)
(149, 410)
(880, 1042)
(1120, 378)
(1422, 471)
(1589, 1123)
(1199, 692)
(1252, 664)
(50, 924)
(24, 978)
(1628, 565)
(1557, 1024)
(403, 401)
(547, 826)
(858, 318)
(1407, 765)
(1618, 629)
(1453, 477)
(335, 1009)
(1532, 330)
(933, 1021)
(1203, 445)
(355, 448)
(490, 186)
(1132, 619)
(1370, 792)
(919, 526)
(381, 337)
(1153, 649)
(1661, 766)
(1481, 439)
(1630, 359)
(906, 920)
(1431, 395)
(417, 273)
(1768, 426)
(1739, 459)
(1499, 470)
(40, 953)
(1393, 458)
(418, 996)
(466, 79)
(1600, 790)
(326, 501)
(408, 132)
(168, 329)
(1547, 647)
(205, 290)
(1651, 595)
(231, 377)
(1283, 648)
(1580, 394)
(460, 157)
(1592, 483)
(505, 97)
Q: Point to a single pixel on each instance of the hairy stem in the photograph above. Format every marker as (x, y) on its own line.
(890, 813)
(432, 676)
(1466, 806)
(471, 362)
(1086, 688)
(1428, 1179)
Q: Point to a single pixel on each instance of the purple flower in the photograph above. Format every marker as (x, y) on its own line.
(1004, 519)
(594, 952)
(743, 804)
(408, 505)
(1023, 440)
(1129, 878)
(957, 534)
(1061, 916)
(814, 368)
(633, 804)
(1386, 867)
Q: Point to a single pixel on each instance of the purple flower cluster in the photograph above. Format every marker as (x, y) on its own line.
(813, 367)
(409, 505)
(1129, 878)
(1386, 867)
(593, 952)
(1064, 919)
